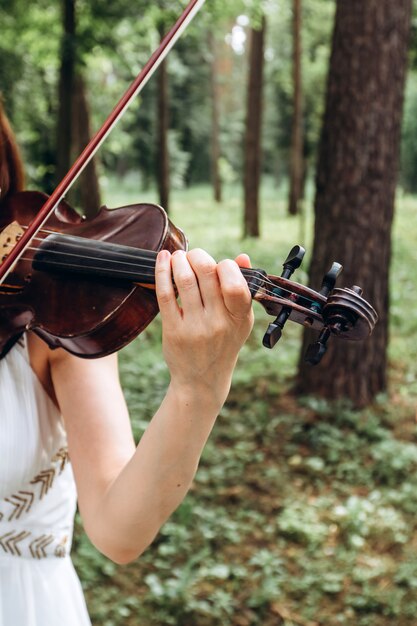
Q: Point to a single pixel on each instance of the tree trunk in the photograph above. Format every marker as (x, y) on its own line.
(88, 189)
(252, 167)
(215, 122)
(296, 153)
(65, 89)
(356, 182)
(162, 137)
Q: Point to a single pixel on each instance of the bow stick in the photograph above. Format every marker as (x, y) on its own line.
(94, 144)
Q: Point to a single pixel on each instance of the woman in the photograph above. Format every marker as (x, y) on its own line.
(54, 406)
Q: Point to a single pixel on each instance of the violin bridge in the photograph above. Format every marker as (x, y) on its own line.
(9, 236)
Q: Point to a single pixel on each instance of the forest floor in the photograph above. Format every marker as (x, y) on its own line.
(303, 512)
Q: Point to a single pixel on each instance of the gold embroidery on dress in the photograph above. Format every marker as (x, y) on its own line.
(60, 550)
(37, 546)
(46, 478)
(21, 501)
(10, 540)
(63, 457)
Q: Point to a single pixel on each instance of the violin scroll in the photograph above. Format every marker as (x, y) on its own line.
(346, 315)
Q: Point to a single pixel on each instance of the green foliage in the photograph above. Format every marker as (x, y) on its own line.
(28, 76)
(317, 24)
(301, 523)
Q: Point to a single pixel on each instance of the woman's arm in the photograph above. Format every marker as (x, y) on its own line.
(126, 494)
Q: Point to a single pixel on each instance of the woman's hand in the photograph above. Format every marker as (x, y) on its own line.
(204, 331)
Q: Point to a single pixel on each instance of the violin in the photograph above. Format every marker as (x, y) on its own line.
(88, 286)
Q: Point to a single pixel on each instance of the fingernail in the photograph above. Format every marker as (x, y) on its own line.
(178, 252)
(163, 255)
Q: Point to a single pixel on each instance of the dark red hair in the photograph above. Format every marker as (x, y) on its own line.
(12, 176)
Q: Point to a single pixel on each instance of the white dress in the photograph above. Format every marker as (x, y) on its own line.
(38, 583)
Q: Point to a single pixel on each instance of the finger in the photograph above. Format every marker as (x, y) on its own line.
(205, 268)
(165, 291)
(243, 260)
(234, 288)
(186, 283)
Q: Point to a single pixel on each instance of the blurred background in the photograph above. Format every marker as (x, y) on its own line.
(271, 123)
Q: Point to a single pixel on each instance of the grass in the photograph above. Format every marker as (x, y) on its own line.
(303, 513)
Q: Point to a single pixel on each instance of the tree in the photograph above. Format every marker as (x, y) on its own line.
(162, 166)
(252, 146)
(88, 189)
(215, 120)
(65, 90)
(296, 151)
(73, 127)
(356, 181)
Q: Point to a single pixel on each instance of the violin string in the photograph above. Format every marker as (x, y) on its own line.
(145, 275)
(120, 253)
(150, 264)
(132, 255)
(247, 272)
(44, 230)
(265, 290)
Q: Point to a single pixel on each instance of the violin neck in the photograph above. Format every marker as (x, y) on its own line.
(100, 259)
(97, 259)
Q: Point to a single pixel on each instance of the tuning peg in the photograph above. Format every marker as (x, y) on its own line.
(316, 351)
(293, 261)
(330, 279)
(274, 331)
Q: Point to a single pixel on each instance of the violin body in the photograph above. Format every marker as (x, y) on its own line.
(87, 315)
